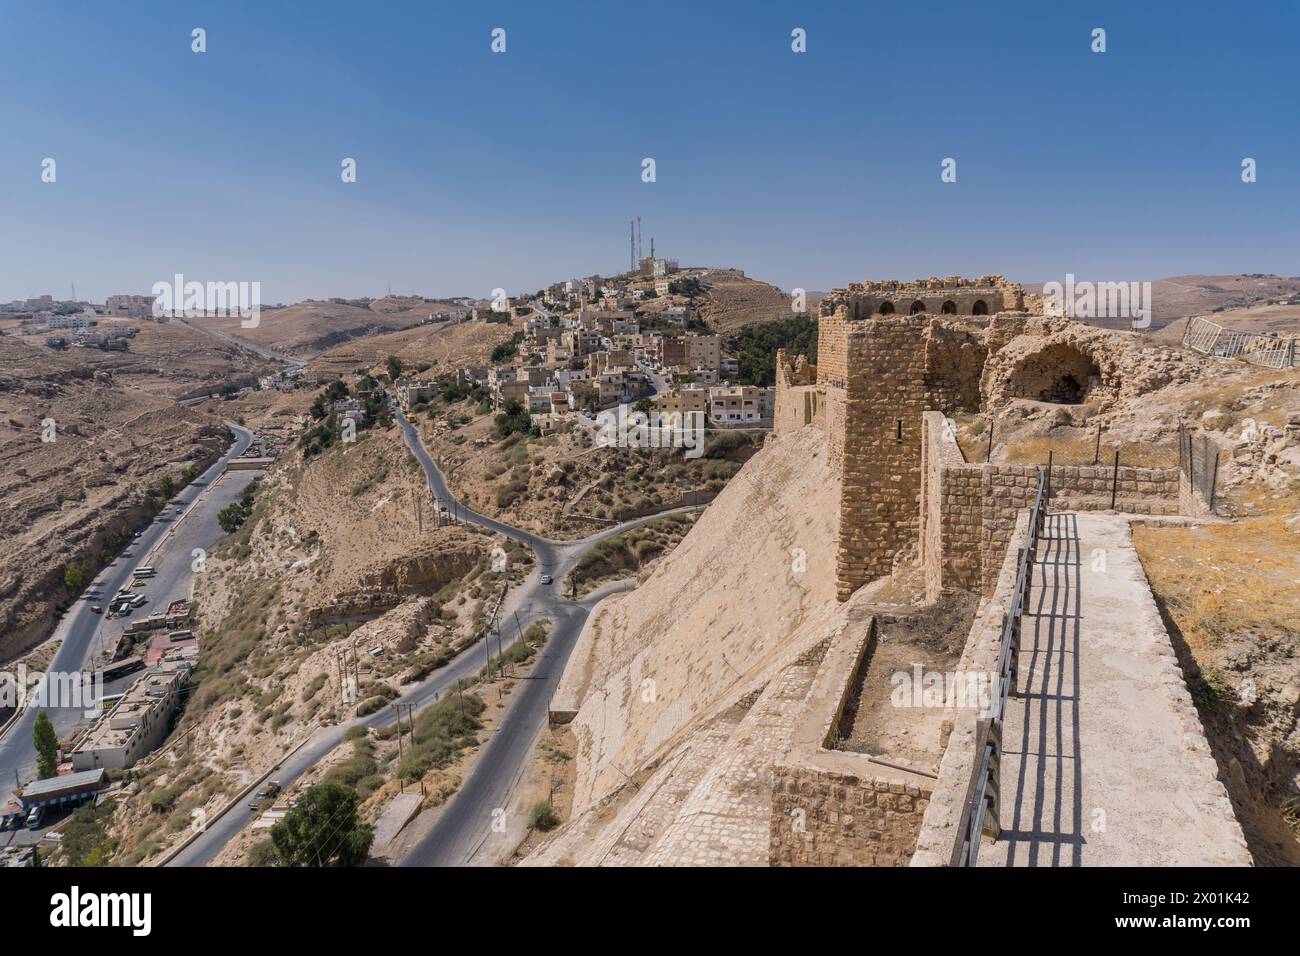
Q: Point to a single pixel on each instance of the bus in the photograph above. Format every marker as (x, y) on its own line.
(145, 572)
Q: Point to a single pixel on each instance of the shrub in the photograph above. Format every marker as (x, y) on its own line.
(543, 816)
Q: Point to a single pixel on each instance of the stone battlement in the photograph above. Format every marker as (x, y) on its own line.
(952, 295)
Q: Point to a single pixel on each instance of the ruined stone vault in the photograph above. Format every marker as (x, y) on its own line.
(888, 352)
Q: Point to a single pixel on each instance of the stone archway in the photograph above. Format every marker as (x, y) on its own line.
(949, 307)
(886, 308)
(1059, 373)
(980, 308)
(917, 307)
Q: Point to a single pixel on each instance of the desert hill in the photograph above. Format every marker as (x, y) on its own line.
(308, 328)
(62, 497)
(1175, 297)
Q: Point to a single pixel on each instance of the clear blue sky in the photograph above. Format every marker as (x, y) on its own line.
(479, 170)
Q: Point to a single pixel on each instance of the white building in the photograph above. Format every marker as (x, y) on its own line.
(135, 726)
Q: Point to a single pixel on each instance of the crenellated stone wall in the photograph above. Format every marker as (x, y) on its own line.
(953, 295)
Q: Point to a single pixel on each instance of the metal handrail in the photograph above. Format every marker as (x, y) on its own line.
(985, 799)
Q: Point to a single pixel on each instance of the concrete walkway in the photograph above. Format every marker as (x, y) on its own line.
(1104, 760)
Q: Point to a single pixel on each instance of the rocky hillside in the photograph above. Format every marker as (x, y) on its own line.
(1175, 297)
(65, 499)
(332, 563)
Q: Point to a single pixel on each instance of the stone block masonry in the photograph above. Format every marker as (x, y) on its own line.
(835, 807)
(879, 377)
(825, 818)
(880, 369)
(968, 511)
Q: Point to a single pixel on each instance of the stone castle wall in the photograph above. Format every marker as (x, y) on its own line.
(798, 402)
(875, 378)
(953, 295)
(883, 374)
(830, 818)
(836, 807)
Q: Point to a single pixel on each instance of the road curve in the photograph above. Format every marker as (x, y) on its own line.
(496, 768)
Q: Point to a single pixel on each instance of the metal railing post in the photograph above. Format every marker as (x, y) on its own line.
(1114, 481)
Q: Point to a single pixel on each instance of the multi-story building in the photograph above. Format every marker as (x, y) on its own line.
(670, 352)
(472, 375)
(136, 724)
(739, 405)
(703, 351)
(136, 306)
(76, 321)
(580, 342)
(597, 362)
(687, 399)
(350, 408)
(413, 391)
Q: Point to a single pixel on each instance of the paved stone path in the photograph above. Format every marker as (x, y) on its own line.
(1104, 760)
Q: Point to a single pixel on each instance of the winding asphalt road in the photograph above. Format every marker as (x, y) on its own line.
(467, 818)
(167, 544)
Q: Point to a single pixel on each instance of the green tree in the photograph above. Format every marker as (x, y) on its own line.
(394, 367)
(322, 829)
(77, 575)
(166, 486)
(46, 742)
(514, 418)
(755, 347)
(231, 517)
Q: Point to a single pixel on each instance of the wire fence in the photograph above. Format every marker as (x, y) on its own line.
(1210, 338)
(1095, 448)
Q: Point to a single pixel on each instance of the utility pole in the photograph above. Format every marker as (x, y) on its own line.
(397, 708)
